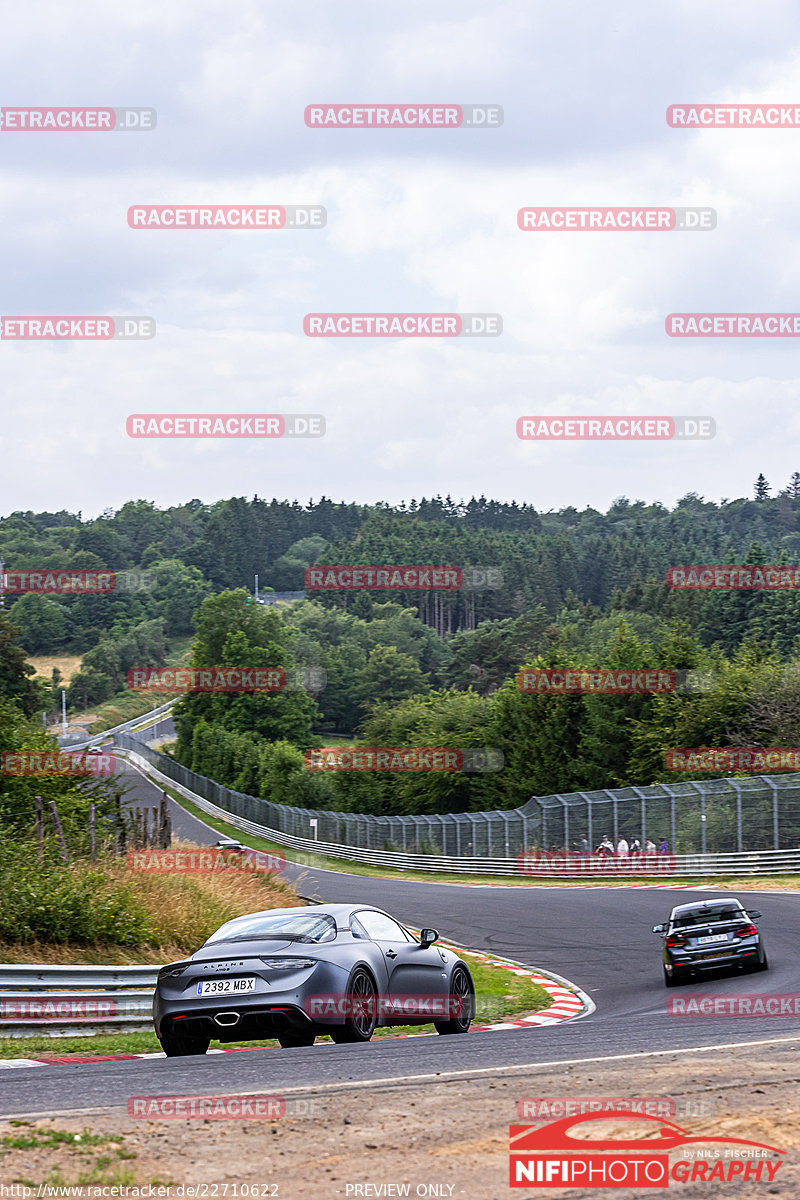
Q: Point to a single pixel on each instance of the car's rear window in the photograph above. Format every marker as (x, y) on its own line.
(306, 927)
(709, 915)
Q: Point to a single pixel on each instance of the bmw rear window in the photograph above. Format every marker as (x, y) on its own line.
(301, 927)
(706, 915)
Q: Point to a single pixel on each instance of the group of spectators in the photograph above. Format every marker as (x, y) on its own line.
(625, 848)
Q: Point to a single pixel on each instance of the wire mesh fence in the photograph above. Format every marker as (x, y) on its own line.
(718, 816)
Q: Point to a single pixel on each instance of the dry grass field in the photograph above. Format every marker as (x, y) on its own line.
(68, 665)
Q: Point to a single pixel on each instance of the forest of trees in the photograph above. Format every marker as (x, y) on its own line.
(195, 549)
(579, 589)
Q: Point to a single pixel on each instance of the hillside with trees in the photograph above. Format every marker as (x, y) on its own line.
(576, 589)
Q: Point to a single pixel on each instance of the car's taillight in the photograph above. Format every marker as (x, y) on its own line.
(171, 972)
(676, 939)
(747, 931)
(287, 963)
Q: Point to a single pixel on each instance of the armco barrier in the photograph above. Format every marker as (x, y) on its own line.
(125, 727)
(73, 1001)
(165, 770)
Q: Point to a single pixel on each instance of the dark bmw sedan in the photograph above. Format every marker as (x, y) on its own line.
(709, 935)
(298, 973)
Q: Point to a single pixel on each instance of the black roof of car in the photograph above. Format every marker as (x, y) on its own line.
(705, 906)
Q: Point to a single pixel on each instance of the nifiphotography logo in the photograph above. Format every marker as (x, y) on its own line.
(564, 1153)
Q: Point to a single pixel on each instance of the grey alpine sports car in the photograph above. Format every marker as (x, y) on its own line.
(298, 973)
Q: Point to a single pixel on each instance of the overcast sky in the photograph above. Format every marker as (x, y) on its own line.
(418, 221)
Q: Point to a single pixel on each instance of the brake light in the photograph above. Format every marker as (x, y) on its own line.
(747, 931)
(676, 939)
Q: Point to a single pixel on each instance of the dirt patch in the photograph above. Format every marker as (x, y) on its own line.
(450, 1135)
(67, 664)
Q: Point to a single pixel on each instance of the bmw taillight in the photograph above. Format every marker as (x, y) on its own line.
(747, 931)
(676, 939)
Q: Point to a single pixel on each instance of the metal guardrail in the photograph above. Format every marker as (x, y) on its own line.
(762, 862)
(44, 1001)
(22, 975)
(269, 598)
(125, 727)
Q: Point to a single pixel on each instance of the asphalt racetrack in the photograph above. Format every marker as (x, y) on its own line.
(598, 938)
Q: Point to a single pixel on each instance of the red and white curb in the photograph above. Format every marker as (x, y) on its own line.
(568, 1002)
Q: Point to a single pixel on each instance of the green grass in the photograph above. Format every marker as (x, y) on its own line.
(501, 996)
(36, 1137)
(104, 1043)
(82, 1149)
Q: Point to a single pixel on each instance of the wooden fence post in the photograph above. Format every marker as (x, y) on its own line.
(62, 844)
(39, 811)
(165, 823)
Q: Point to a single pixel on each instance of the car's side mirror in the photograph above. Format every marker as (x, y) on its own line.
(753, 912)
(427, 937)
(659, 929)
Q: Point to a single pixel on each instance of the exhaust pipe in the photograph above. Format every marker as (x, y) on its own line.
(227, 1019)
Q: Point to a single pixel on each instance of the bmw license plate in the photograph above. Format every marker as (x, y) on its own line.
(714, 937)
(227, 987)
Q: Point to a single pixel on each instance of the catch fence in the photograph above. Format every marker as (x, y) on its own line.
(720, 816)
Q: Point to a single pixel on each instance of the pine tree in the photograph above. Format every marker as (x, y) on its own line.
(762, 488)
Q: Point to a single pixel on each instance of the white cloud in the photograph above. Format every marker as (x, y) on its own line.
(417, 222)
